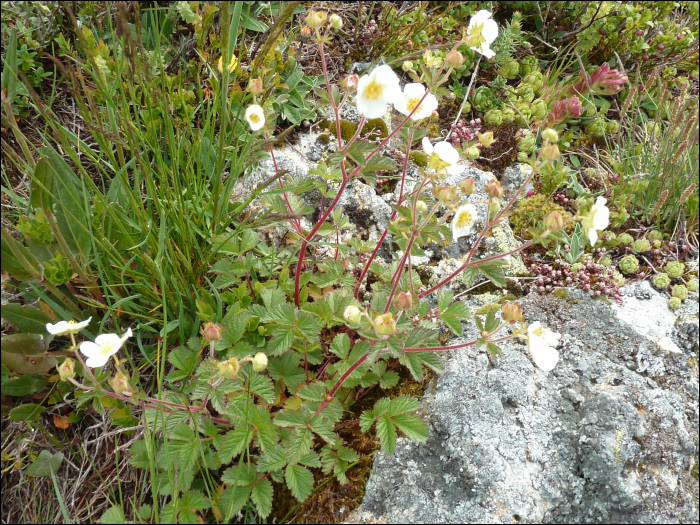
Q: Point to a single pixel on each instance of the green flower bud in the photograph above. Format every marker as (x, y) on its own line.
(512, 313)
(525, 140)
(625, 239)
(674, 303)
(522, 156)
(120, 383)
(554, 221)
(692, 285)
(385, 325)
(550, 135)
(596, 127)
(260, 359)
(467, 186)
(661, 281)
(675, 269)
(407, 65)
(229, 369)
(404, 301)
(66, 369)
(352, 314)
(335, 22)
(641, 245)
(550, 151)
(629, 264)
(421, 207)
(680, 291)
(473, 153)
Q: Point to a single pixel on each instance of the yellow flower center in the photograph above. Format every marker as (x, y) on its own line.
(412, 103)
(464, 219)
(373, 90)
(254, 118)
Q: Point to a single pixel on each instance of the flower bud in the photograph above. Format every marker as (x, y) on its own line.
(404, 301)
(385, 325)
(467, 186)
(352, 314)
(554, 222)
(407, 65)
(512, 313)
(255, 86)
(494, 205)
(336, 22)
(454, 59)
(550, 151)
(259, 362)
(486, 139)
(316, 18)
(446, 194)
(473, 153)
(550, 135)
(350, 82)
(305, 34)
(66, 369)
(211, 332)
(229, 368)
(421, 207)
(120, 383)
(494, 189)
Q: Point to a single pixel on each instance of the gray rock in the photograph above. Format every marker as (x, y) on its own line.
(513, 177)
(611, 435)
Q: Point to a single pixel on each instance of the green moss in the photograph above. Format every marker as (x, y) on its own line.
(535, 206)
(324, 138)
(377, 127)
(419, 158)
(487, 308)
(561, 293)
(507, 298)
(696, 471)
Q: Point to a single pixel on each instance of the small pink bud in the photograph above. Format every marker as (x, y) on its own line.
(530, 193)
(639, 32)
(211, 332)
(438, 39)
(560, 27)
(494, 189)
(660, 47)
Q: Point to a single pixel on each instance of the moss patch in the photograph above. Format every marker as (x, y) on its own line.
(376, 127)
(532, 209)
(419, 158)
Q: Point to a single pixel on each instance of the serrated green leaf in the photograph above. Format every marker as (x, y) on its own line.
(114, 514)
(492, 271)
(261, 494)
(193, 499)
(324, 428)
(386, 434)
(139, 454)
(299, 444)
(402, 405)
(232, 500)
(236, 327)
(458, 309)
(311, 460)
(414, 364)
(389, 380)
(233, 443)
(419, 336)
(266, 435)
(444, 299)
(263, 387)
(300, 481)
(452, 322)
(286, 368)
(313, 392)
(273, 459)
(469, 275)
(282, 338)
(412, 426)
(366, 420)
(340, 345)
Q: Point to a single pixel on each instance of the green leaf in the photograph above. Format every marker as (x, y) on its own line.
(313, 392)
(387, 434)
(273, 297)
(139, 454)
(287, 369)
(469, 275)
(402, 405)
(44, 464)
(263, 387)
(262, 497)
(282, 338)
(233, 443)
(412, 426)
(419, 336)
(249, 240)
(452, 322)
(193, 499)
(414, 364)
(366, 420)
(292, 418)
(299, 445)
(444, 299)
(42, 183)
(23, 386)
(340, 345)
(114, 514)
(272, 460)
(26, 353)
(28, 412)
(300, 481)
(459, 309)
(232, 500)
(492, 271)
(324, 428)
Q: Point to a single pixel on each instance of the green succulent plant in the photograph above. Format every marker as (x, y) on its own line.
(522, 156)
(625, 239)
(526, 92)
(641, 245)
(680, 291)
(595, 127)
(675, 269)
(612, 126)
(674, 303)
(508, 114)
(509, 69)
(493, 117)
(692, 285)
(606, 261)
(661, 281)
(629, 264)
(525, 140)
(534, 79)
(618, 278)
(483, 99)
(655, 235)
(528, 65)
(538, 109)
(523, 110)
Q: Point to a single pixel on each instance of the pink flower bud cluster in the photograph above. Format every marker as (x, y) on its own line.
(464, 133)
(366, 34)
(564, 110)
(589, 276)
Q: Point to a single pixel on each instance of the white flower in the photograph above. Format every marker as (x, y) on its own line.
(66, 327)
(598, 219)
(482, 31)
(447, 154)
(409, 99)
(255, 117)
(104, 346)
(541, 342)
(376, 91)
(464, 220)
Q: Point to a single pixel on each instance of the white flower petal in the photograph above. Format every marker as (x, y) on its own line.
(70, 327)
(376, 91)
(90, 349)
(545, 357)
(541, 343)
(463, 221)
(97, 360)
(447, 153)
(592, 236)
(427, 146)
(601, 214)
(255, 116)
